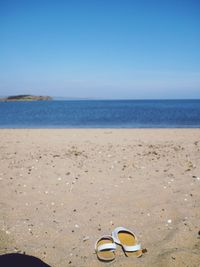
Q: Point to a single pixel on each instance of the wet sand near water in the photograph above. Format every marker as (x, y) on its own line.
(62, 189)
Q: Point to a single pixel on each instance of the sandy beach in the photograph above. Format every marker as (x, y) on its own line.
(62, 189)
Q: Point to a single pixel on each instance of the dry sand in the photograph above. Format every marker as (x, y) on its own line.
(60, 190)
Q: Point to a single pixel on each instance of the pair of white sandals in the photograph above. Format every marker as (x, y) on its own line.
(106, 245)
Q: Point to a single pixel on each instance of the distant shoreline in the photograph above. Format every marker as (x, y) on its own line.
(25, 98)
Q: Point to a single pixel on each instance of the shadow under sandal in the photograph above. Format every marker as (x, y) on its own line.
(128, 241)
(105, 248)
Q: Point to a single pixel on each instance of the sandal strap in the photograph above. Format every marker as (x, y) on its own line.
(115, 234)
(107, 246)
(121, 229)
(132, 248)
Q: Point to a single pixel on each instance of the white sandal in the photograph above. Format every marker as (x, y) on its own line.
(105, 248)
(128, 241)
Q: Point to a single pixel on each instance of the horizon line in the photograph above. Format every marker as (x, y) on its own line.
(61, 98)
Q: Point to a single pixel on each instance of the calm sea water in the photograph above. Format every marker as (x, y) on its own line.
(101, 114)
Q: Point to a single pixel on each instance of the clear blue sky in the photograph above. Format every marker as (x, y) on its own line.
(100, 48)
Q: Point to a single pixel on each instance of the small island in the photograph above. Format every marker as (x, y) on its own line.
(25, 98)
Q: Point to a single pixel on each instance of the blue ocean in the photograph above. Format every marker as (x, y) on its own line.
(101, 114)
